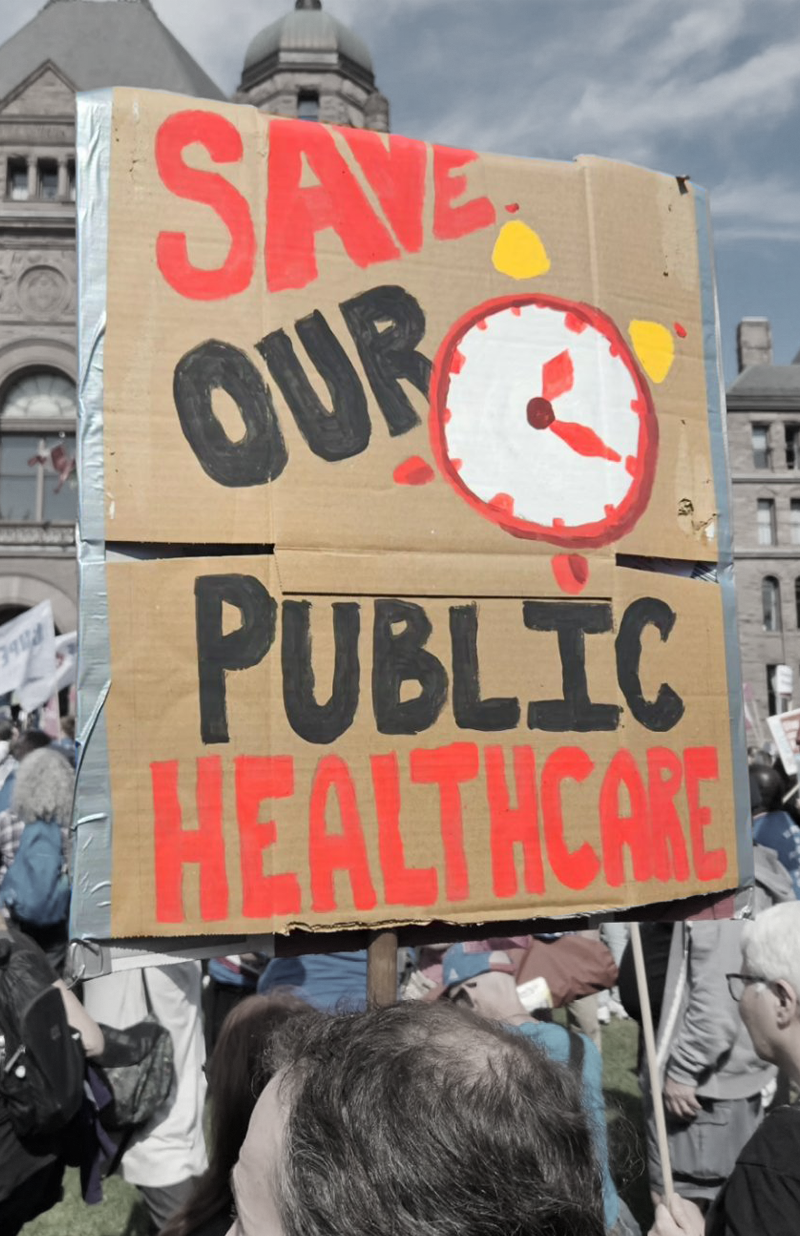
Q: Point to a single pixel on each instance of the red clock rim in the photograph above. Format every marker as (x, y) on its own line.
(581, 536)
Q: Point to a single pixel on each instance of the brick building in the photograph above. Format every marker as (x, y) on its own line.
(764, 444)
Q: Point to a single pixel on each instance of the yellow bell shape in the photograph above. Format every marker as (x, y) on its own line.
(519, 252)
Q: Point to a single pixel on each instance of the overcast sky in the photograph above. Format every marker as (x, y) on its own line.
(708, 88)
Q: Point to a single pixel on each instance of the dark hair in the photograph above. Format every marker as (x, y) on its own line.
(7, 729)
(28, 741)
(237, 1073)
(427, 1119)
(766, 788)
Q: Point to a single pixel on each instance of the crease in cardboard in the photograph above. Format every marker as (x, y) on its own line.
(346, 535)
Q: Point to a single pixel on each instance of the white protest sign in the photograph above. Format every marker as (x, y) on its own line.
(784, 680)
(784, 729)
(28, 656)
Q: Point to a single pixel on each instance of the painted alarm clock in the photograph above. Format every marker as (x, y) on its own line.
(542, 421)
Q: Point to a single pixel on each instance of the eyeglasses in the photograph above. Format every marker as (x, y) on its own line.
(738, 982)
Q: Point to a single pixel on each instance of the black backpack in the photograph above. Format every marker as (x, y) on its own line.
(137, 1068)
(42, 1063)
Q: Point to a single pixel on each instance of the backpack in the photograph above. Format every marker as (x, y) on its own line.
(137, 1067)
(35, 887)
(41, 1058)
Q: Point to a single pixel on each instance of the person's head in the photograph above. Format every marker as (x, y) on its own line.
(416, 1119)
(43, 788)
(27, 742)
(766, 789)
(770, 995)
(482, 979)
(7, 730)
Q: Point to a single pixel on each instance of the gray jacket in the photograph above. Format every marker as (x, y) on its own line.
(702, 1041)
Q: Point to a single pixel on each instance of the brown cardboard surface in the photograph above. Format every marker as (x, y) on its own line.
(341, 860)
(612, 237)
(429, 400)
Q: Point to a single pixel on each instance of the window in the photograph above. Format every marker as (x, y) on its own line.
(761, 454)
(794, 520)
(772, 698)
(308, 105)
(766, 521)
(71, 180)
(17, 182)
(797, 600)
(37, 450)
(771, 603)
(47, 173)
(792, 446)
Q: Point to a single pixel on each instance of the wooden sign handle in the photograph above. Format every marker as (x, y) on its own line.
(382, 968)
(652, 1063)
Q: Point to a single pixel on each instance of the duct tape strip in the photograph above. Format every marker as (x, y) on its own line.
(715, 394)
(91, 861)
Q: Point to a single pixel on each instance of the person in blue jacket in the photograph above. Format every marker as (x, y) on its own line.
(485, 981)
(772, 826)
(327, 981)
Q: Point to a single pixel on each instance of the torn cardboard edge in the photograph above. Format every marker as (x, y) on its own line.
(90, 958)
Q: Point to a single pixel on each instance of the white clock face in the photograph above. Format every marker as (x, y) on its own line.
(542, 421)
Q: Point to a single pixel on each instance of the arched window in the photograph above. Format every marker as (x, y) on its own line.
(38, 483)
(771, 603)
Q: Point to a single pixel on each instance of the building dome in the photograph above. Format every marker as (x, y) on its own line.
(307, 37)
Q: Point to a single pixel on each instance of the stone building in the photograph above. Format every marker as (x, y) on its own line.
(310, 66)
(306, 64)
(764, 442)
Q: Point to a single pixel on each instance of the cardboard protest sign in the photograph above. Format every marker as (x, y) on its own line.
(391, 436)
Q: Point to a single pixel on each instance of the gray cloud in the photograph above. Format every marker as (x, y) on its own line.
(708, 87)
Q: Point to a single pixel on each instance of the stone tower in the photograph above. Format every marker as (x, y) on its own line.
(311, 66)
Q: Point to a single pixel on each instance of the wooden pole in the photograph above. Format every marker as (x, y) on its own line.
(652, 1063)
(382, 968)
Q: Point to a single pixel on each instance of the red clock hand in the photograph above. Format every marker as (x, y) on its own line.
(557, 378)
(583, 440)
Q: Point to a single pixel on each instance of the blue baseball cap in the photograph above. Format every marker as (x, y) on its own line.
(466, 961)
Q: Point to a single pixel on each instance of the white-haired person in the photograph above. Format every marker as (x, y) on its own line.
(762, 1193)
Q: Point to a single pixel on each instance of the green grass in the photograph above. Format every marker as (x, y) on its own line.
(122, 1214)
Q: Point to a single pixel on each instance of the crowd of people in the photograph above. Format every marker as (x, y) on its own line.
(465, 1106)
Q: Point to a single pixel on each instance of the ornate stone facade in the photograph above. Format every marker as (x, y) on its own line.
(38, 302)
(306, 64)
(764, 448)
